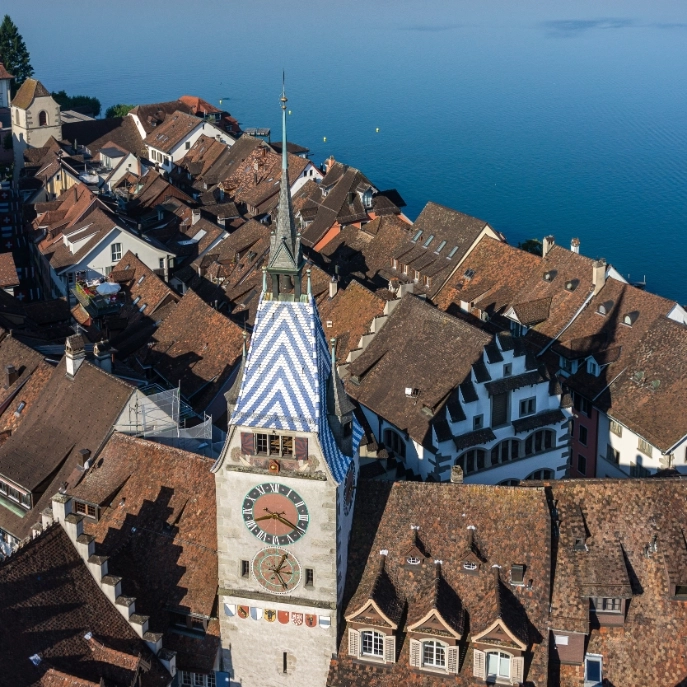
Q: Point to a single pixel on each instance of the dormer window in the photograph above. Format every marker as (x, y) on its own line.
(605, 308)
(592, 367)
(469, 566)
(517, 575)
(394, 263)
(413, 560)
(405, 269)
(630, 318)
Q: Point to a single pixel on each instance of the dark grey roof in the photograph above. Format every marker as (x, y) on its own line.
(500, 386)
(527, 424)
(479, 436)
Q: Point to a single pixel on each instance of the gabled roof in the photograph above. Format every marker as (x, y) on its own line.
(418, 348)
(154, 114)
(4, 74)
(51, 604)
(8, 271)
(95, 133)
(176, 127)
(28, 92)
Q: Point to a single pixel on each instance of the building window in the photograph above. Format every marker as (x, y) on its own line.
(541, 440)
(273, 445)
(582, 404)
(592, 670)
(499, 409)
(517, 329)
(372, 644)
(581, 464)
(528, 406)
(188, 145)
(405, 269)
(433, 654)
(394, 441)
(309, 577)
(261, 443)
(616, 428)
(592, 367)
(245, 568)
(583, 434)
(508, 369)
(478, 422)
(42, 118)
(644, 447)
(608, 605)
(84, 509)
(394, 263)
(639, 471)
(469, 566)
(541, 475)
(472, 460)
(116, 252)
(185, 678)
(412, 560)
(416, 276)
(612, 456)
(498, 665)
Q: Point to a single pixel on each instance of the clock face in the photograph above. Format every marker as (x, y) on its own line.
(277, 570)
(349, 488)
(275, 514)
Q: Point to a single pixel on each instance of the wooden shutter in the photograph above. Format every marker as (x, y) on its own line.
(389, 649)
(517, 669)
(499, 410)
(301, 446)
(453, 659)
(415, 653)
(479, 668)
(353, 643)
(247, 443)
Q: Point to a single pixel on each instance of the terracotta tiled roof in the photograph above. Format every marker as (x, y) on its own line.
(4, 74)
(172, 131)
(95, 134)
(169, 560)
(195, 347)
(153, 115)
(67, 416)
(512, 527)
(350, 314)
(50, 603)
(28, 91)
(649, 395)
(420, 348)
(8, 271)
(620, 520)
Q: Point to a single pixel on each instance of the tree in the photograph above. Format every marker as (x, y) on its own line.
(81, 103)
(533, 246)
(119, 110)
(13, 53)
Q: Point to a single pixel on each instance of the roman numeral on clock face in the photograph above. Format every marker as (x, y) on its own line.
(275, 514)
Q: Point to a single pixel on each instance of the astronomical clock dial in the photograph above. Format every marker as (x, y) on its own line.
(277, 570)
(349, 488)
(275, 514)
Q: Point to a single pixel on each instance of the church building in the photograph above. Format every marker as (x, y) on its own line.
(285, 482)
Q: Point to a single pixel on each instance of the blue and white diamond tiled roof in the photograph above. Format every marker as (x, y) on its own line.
(285, 378)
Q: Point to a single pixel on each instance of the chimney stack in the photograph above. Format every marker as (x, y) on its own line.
(329, 163)
(103, 356)
(599, 274)
(84, 455)
(548, 244)
(333, 287)
(75, 354)
(457, 474)
(11, 375)
(575, 245)
(195, 216)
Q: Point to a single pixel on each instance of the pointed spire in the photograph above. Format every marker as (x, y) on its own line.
(285, 244)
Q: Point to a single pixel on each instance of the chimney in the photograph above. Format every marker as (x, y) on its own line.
(195, 216)
(11, 375)
(221, 221)
(599, 274)
(84, 455)
(75, 354)
(103, 356)
(333, 287)
(549, 243)
(457, 474)
(575, 245)
(329, 163)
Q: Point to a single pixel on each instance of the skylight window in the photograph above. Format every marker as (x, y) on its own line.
(454, 250)
(428, 241)
(441, 246)
(140, 281)
(416, 238)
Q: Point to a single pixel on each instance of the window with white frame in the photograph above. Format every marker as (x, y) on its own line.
(498, 665)
(508, 369)
(593, 670)
(528, 406)
(592, 367)
(433, 654)
(372, 644)
(610, 605)
(116, 249)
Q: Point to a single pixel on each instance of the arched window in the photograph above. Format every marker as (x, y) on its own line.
(509, 483)
(16, 117)
(394, 442)
(539, 441)
(498, 665)
(372, 644)
(472, 460)
(433, 654)
(42, 118)
(541, 474)
(505, 451)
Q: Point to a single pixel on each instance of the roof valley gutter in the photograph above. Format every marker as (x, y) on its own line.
(609, 384)
(574, 317)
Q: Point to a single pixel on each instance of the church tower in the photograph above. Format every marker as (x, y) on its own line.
(285, 482)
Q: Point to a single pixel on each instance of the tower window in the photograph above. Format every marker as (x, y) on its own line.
(245, 568)
(42, 118)
(285, 663)
(309, 577)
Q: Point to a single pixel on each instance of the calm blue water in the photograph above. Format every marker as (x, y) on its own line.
(539, 117)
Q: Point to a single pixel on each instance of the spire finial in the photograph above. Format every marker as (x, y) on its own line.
(309, 272)
(332, 341)
(245, 337)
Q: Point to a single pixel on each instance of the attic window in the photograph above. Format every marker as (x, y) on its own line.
(138, 298)
(412, 560)
(394, 263)
(630, 318)
(441, 247)
(469, 274)
(548, 276)
(452, 253)
(416, 238)
(140, 281)
(143, 307)
(329, 323)
(605, 308)
(517, 575)
(410, 391)
(572, 284)
(467, 565)
(592, 367)
(428, 241)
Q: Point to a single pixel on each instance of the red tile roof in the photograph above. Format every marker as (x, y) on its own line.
(8, 271)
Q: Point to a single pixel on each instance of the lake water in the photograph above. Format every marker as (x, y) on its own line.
(537, 116)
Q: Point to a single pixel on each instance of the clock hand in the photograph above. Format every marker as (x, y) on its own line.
(281, 563)
(288, 523)
(271, 516)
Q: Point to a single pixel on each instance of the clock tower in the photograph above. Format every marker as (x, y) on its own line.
(285, 482)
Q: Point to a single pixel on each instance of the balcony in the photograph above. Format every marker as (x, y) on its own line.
(95, 304)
